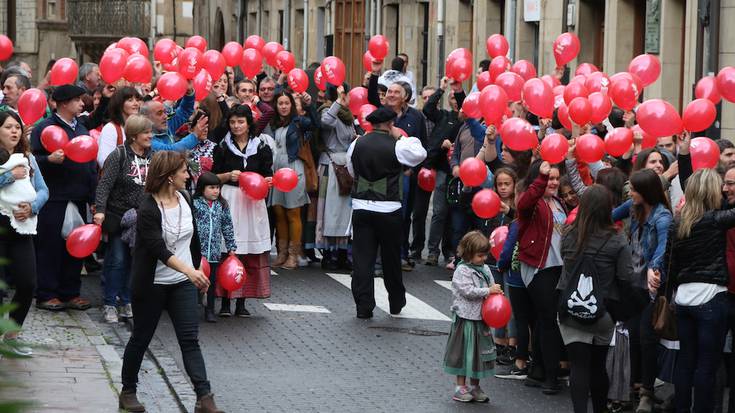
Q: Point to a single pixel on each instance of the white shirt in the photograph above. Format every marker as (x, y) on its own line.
(177, 233)
(108, 142)
(409, 152)
(694, 294)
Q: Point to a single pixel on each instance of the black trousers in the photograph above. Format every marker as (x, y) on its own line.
(588, 376)
(420, 211)
(371, 230)
(544, 297)
(58, 272)
(525, 316)
(20, 268)
(644, 349)
(180, 301)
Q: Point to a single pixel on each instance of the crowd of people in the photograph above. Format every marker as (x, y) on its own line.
(164, 188)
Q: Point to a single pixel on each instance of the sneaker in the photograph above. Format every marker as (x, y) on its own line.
(505, 356)
(515, 373)
(406, 266)
(125, 311)
(303, 261)
(53, 304)
(463, 394)
(242, 312)
(225, 312)
(77, 303)
(110, 314)
(478, 395)
(209, 315)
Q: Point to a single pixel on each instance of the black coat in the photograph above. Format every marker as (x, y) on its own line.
(225, 161)
(150, 247)
(446, 126)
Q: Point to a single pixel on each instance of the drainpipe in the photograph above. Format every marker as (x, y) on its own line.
(287, 25)
(152, 35)
(510, 28)
(379, 17)
(440, 38)
(306, 35)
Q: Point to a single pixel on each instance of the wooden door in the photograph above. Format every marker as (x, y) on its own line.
(349, 37)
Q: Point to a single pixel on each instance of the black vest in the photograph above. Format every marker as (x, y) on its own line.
(377, 170)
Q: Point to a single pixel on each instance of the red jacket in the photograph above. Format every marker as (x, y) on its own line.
(536, 223)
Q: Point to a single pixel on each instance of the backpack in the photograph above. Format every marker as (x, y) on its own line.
(582, 300)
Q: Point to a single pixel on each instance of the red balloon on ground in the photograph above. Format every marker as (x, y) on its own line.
(659, 118)
(197, 42)
(705, 153)
(254, 42)
(6, 47)
(64, 71)
(497, 240)
(426, 179)
(251, 63)
(472, 172)
(84, 240)
(81, 149)
(589, 148)
(566, 48)
(232, 52)
(707, 89)
(554, 148)
(486, 204)
(496, 311)
(298, 80)
(285, 179)
(699, 115)
(647, 67)
(172, 86)
(254, 185)
(231, 274)
(31, 106)
(378, 46)
(512, 83)
(618, 141)
(53, 138)
(497, 45)
(518, 134)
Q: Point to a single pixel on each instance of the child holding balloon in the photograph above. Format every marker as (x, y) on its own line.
(213, 220)
(470, 350)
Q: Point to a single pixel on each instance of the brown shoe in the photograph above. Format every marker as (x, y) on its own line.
(282, 248)
(206, 405)
(129, 401)
(53, 304)
(77, 303)
(292, 262)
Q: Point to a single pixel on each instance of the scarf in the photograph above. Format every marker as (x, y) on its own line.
(344, 114)
(480, 270)
(250, 150)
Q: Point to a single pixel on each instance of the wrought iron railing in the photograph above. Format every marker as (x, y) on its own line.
(100, 19)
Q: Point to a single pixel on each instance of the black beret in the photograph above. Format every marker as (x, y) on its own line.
(381, 115)
(67, 92)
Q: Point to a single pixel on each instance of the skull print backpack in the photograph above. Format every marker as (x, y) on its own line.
(582, 300)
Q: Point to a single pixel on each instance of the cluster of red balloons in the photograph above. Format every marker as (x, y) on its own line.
(81, 149)
(127, 58)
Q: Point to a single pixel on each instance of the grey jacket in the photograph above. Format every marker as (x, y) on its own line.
(334, 133)
(470, 289)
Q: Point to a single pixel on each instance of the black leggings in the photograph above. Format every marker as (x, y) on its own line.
(21, 267)
(643, 349)
(544, 297)
(525, 316)
(588, 376)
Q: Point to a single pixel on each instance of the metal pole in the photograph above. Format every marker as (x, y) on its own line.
(152, 36)
(440, 38)
(510, 28)
(286, 24)
(306, 35)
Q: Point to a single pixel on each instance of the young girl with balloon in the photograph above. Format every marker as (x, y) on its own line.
(470, 352)
(214, 222)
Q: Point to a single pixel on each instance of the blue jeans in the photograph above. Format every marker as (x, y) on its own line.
(116, 271)
(702, 331)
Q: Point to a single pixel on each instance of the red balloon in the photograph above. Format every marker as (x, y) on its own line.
(231, 274)
(647, 67)
(518, 134)
(367, 61)
(497, 45)
(133, 45)
(138, 69)
(659, 118)
(539, 98)
(270, 50)
(512, 83)
(580, 110)
(498, 66)
(483, 80)
(551, 81)
(165, 51)
(699, 115)
(459, 69)
(596, 81)
(707, 89)
(563, 115)
(497, 240)
(285, 61)
(472, 172)
(254, 42)
(81, 149)
(214, 63)
(496, 310)
(204, 266)
(197, 42)
(174, 65)
(84, 240)
(486, 204)
(366, 110)
(65, 71)
(190, 61)
(232, 52)
(493, 102)
(251, 63)
(256, 112)
(572, 216)
(334, 70)
(6, 47)
(589, 148)
(457, 53)
(566, 48)
(624, 92)
(31, 106)
(298, 80)
(618, 141)
(426, 179)
(586, 69)
(254, 185)
(172, 86)
(554, 148)
(726, 83)
(53, 138)
(378, 46)
(705, 153)
(202, 84)
(358, 97)
(524, 69)
(630, 76)
(319, 79)
(574, 90)
(647, 140)
(471, 105)
(600, 105)
(285, 179)
(112, 65)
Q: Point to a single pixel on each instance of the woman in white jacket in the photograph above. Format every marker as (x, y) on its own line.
(125, 102)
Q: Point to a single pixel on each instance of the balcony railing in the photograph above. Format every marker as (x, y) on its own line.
(108, 19)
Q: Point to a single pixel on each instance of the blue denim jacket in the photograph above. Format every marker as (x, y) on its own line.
(655, 232)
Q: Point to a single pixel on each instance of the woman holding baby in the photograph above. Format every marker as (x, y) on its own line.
(23, 193)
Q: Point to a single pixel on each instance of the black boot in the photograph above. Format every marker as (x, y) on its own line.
(309, 253)
(343, 261)
(129, 401)
(225, 310)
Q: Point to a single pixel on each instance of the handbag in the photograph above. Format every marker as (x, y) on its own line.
(663, 317)
(310, 176)
(344, 179)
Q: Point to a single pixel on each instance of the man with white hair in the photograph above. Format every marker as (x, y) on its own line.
(89, 77)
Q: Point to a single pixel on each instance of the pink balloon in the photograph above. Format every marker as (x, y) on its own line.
(285, 61)
(518, 134)
(471, 105)
(285, 179)
(197, 42)
(190, 61)
(112, 65)
(165, 51)
(65, 71)
(554, 148)
(589, 148)
(254, 42)
(707, 89)
(586, 69)
(566, 48)
(618, 141)
(6, 47)
(378, 46)
(486, 204)
(298, 80)
(726, 83)
(512, 83)
(270, 50)
(172, 86)
(493, 102)
(659, 118)
(84, 240)
(699, 115)
(705, 153)
(600, 105)
(251, 63)
(524, 69)
(472, 172)
(202, 84)
(334, 70)
(214, 63)
(138, 69)
(647, 67)
(31, 106)
(81, 149)
(497, 45)
(358, 98)
(580, 110)
(498, 65)
(232, 52)
(539, 98)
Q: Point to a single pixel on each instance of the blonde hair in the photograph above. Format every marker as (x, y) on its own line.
(703, 193)
(135, 125)
(473, 242)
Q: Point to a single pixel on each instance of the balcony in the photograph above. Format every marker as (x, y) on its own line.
(94, 24)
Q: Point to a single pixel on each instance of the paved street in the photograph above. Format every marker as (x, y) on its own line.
(331, 361)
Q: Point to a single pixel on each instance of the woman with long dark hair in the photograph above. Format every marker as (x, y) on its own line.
(125, 102)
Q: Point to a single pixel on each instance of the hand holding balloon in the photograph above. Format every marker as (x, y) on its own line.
(684, 141)
(496, 289)
(200, 281)
(57, 156)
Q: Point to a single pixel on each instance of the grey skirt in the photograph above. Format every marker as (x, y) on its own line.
(470, 349)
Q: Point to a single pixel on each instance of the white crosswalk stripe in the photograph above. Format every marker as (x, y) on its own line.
(414, 308)
(444, 283)
(297, 308)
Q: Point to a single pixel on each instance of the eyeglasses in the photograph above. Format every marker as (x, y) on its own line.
(267, 89)
(729, 183)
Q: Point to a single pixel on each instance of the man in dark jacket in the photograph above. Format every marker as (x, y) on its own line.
(71, 185)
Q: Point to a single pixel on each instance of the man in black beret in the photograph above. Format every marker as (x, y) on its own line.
(71, 185)
(376, 161)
